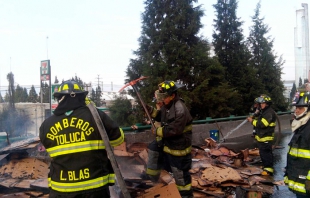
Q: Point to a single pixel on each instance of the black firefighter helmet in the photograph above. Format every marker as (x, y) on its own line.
(69, 87)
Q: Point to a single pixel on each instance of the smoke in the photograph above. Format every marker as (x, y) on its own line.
(14, 122)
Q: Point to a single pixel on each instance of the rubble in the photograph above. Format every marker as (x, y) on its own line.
(216, 172)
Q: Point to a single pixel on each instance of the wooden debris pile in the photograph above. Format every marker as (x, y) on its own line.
(22, 173)
(216, 172)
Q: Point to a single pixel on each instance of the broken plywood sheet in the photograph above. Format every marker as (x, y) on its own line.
(255, 180)
(27, 168)
(23, 183)
(8, 183)
(220, 175)
(40, 185)
(251, 170)
(20, 145)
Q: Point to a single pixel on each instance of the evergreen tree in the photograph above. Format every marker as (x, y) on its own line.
(33, 96)
(268, 68)
(56, 80)
(1, 99)
(18, 94)
(232, 52)
(97, 99)
(293, 92)
(46, 92)
(168, 44)
(92, 95)
(170, 49)
(11, 91)
(121, 112)
(25, 95)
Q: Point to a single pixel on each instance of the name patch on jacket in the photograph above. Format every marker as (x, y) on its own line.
(74, 175)
(77, 123)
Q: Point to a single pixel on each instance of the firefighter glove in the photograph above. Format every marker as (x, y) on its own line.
(159, 131)
(307, 186)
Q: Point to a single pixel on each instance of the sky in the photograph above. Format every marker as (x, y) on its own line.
(95, 39)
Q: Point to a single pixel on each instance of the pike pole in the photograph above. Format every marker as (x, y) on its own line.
(109, 150)
(133, 84)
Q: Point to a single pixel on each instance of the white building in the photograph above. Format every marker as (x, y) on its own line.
(301, 44)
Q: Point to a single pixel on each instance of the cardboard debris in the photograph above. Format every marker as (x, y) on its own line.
(216, 171)
(219, 175)
(169, 190)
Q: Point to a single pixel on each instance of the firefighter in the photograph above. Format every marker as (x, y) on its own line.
(80, 166)
(172, 146)
(297, 174)
(265, 126)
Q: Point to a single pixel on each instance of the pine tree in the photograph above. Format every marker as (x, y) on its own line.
(11, 91)
(121, 111)
(56, 80)
(25, 95)
(300, 82)
(268, 68)
(168, 44)
(293, 92)
(170, 49)
(97, 99)
(19, 94)
(232, 52)
(33, 96)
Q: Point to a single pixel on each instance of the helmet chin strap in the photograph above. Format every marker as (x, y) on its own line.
(61, 99)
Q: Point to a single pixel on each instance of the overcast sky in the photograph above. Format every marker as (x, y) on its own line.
(96, 38)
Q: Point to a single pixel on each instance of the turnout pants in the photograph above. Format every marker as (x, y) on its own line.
(265, 151)
(178, 165)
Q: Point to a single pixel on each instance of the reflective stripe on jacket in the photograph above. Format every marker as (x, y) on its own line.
(79, 159)
(298, 159)
(265, 125)
(176, 128)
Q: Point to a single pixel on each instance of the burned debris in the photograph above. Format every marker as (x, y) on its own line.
(216, 171)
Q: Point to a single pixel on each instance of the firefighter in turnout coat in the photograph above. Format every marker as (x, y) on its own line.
(297, 175)
(172, 147)
(79, 166)
(264, 126)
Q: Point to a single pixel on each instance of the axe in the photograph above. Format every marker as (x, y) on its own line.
(133, 84)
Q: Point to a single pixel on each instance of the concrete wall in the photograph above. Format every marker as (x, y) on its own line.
(36, 112)
(201, 131)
